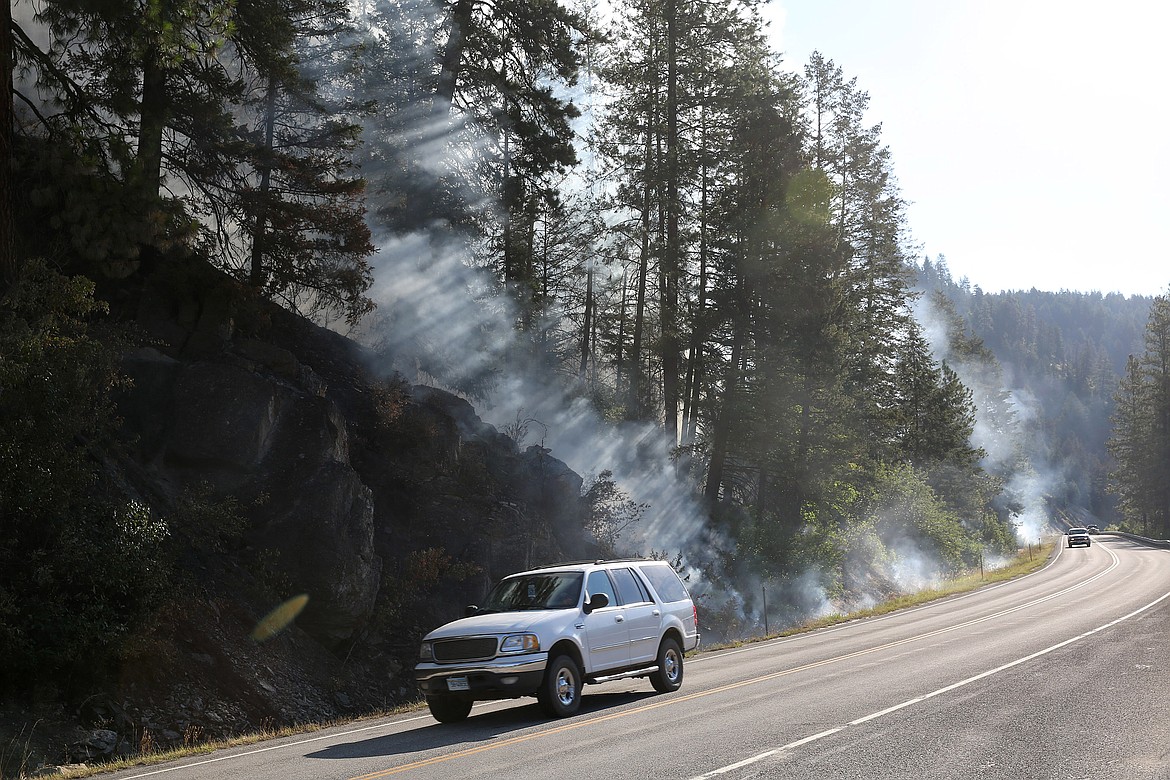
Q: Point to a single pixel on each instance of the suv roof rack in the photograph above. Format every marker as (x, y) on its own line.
(590, 562)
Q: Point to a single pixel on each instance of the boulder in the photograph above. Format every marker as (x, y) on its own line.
(249, 432)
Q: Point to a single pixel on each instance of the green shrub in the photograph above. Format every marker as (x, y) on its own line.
(79, 560)
(210, 523)
(905, 509)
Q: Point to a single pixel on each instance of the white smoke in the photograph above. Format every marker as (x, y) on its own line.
(1031, 488)
(911, 569)
(1030, 474)
(432, 303)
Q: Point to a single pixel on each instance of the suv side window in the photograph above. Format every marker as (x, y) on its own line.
(598, 582)
(630, 591)
(665, 581)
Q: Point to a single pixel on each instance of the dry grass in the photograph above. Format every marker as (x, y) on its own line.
(150, 757)
(1026, 561)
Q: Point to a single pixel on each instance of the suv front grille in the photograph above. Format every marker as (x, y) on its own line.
(473, 649)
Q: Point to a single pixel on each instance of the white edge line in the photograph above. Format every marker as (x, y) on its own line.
(770, 753)
(886, 711)
(813, 738)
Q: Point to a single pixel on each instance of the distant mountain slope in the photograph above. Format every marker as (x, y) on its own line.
(1062, 354)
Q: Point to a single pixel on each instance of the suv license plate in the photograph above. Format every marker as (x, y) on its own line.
(457, 684)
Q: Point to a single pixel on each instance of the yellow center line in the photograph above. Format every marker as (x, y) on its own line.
(713, 691)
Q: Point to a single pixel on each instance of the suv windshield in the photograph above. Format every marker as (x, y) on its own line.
(553, 590)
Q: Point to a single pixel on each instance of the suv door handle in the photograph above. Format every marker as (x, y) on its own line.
(619, 618)
(656, 613)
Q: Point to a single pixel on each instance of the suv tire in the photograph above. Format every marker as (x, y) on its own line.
(449, 709)
(670, 667)
(560, 693)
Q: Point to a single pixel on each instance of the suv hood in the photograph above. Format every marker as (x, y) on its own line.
(498, 623)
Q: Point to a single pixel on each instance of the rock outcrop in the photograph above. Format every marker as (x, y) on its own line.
(275, 445)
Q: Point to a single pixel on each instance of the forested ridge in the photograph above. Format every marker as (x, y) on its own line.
(643, 219)
(1061, 356)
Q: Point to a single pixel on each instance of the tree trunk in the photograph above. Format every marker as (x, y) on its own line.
(451, 60)
(9, 266)
(721, 436)
(803, 444)
(620, 353)
(152, 122)
(594, 374)
(256, 269)
(587, 324)
(672, 260)
(692, 389)
(634, 405)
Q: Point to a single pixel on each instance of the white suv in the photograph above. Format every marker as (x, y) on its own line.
(548, 631)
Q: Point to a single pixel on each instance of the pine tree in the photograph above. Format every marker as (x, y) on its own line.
(303, 207)
(498, 66)
(1141, 434)
(155, 150)
(1131, 445)
(141, 104)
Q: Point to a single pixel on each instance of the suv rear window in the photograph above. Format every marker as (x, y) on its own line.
(629, 589)
(665, 581)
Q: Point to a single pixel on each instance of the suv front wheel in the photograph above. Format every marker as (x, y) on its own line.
(449, 709)
(670, 667)
(560, 693)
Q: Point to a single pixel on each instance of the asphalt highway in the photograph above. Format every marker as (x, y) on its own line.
(1063, 674)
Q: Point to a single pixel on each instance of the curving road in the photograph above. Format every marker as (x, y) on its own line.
(1061, 674)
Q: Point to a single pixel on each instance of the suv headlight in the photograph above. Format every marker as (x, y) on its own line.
(520, 643)
(426, 652)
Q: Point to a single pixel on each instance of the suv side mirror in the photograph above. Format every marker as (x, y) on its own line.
(470, 610)
(596, 601)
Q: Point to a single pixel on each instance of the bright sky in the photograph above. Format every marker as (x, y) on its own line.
(1032, 137)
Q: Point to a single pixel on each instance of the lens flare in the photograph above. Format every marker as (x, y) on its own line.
(280, 618)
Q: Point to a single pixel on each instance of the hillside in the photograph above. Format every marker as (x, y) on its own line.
(1062, 355)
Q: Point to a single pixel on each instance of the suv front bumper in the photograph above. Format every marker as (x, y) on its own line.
(497, 678)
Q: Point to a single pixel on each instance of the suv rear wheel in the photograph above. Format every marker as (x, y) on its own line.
(560, 693)
(670, 667)
(449, 709)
